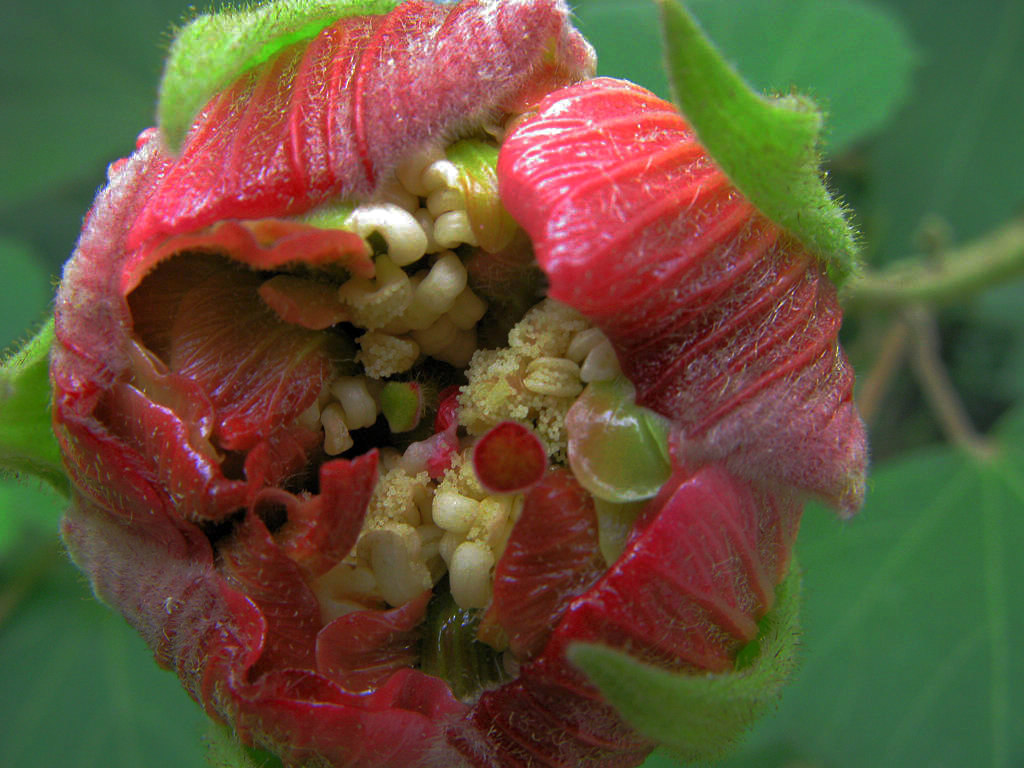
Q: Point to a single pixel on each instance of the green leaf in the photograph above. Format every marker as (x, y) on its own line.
(700, 717)
(957, 150)
(913, 622)
(27, 444)
(78, 687)
(26, 289)
(855, 58)
(216, 49)
(768, 147)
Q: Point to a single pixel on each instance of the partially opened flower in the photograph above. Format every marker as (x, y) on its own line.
(340, 460)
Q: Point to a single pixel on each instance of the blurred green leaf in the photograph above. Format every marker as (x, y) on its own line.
(911, 623)
(25, 289)
(698, 717)
(957, 149)
(853, 58)
(27, 508)
(78, 83)
(77, 686)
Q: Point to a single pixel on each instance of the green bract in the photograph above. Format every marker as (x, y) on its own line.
(767, 147)
(215, 49)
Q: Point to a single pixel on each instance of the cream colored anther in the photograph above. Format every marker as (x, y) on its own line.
(405, 238)
(460, 351)
(583, 342)
(446, 199)
(354, 397)
(397, 562)
(395, 192)
(601, 364)
(336, 436)
(437, 337)
(557, 376)
(440, 174)
(492, 515)
(410, 172)
(467, 310)
(454, 512)
(469, 574)
(452, 229)
(426, 222)
(439, 289)
(382, 355)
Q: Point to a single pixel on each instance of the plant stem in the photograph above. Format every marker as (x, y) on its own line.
(954, 275)
(938, 389)
(890, 359)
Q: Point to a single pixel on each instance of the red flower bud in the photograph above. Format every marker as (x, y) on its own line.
(358, 584)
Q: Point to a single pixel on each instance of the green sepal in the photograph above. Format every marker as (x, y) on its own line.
(224, 750)
(699, 717)
(215, 49)
(768, 147)
(27, 444)
(477, 162)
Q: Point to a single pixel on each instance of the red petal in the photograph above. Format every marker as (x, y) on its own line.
(362, 649)
(551, 557)
(321, 530)
(723, 323)
(697, 576)
(253, 564)
(332, 117)
(258, 372)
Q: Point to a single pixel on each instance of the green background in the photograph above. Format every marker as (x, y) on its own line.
(913, 609)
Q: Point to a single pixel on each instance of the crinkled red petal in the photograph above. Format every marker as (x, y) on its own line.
(331, 117)
(363, 649)
(551, 557)
(724, 323)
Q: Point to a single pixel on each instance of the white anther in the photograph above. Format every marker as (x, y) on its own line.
(440, 174)
(601, 364)
(430, 541)
(355, 399)
(492, 517)
(449, 542)
(394, 192)
(439, 289)
(583, 342)
(382, 355)
(446, 199)
(437, 337)
(405, 238)
(459, 352)
(452, 229)
(556, 376)
(454, 512)
(410, 172)
(469, 574)
(397, 562)
(336, 437)
(348, 579)
(467, 310)
(426, 222)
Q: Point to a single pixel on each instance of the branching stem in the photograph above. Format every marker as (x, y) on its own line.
(938, 389)
(954, 275)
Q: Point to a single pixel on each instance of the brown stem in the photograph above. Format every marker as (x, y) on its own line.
(890, 359)
(938, 389)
